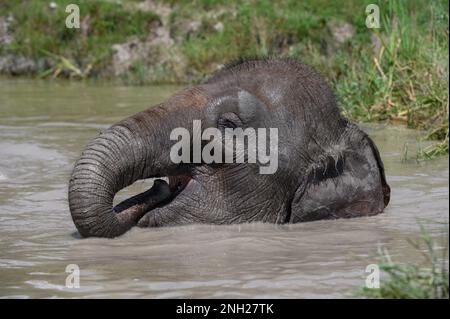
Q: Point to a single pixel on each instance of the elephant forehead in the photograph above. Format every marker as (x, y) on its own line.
(190, 97)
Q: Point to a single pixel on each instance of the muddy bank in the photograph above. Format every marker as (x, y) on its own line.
(159, 51)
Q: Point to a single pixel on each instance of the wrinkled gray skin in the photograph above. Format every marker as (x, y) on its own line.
(328, 168)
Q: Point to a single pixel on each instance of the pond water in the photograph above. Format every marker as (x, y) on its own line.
(45, 125)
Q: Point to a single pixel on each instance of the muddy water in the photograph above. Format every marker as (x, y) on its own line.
(43, 128)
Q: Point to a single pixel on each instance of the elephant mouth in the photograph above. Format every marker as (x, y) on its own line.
(160, 194)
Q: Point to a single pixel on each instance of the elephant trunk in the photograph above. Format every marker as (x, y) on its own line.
(113, 160)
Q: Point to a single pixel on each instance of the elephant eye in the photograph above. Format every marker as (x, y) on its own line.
(226, 123)
(229, 120)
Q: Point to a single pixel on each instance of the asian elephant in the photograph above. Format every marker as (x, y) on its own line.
(328, 168)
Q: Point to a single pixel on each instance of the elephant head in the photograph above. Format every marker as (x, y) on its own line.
(326, 167)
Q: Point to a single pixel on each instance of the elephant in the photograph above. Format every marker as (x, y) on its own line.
(328, 168)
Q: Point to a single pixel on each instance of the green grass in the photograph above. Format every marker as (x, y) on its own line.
(40, 31)
(411, 281)
(404, 81)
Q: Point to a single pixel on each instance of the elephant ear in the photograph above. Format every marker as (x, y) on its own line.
(347, 184)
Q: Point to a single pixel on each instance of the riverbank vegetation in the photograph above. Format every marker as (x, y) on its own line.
(397, 73)
(410, 281)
